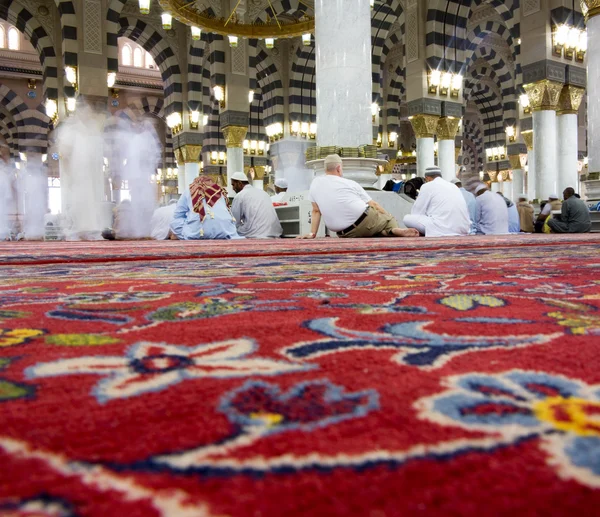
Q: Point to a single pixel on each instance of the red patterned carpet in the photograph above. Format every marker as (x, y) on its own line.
(364, 378)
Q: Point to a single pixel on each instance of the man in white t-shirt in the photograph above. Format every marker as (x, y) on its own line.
(347, 209)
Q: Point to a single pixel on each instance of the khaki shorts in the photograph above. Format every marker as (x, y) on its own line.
(373, 225)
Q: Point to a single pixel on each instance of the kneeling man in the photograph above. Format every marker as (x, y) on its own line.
(440, 209)
(347, 209)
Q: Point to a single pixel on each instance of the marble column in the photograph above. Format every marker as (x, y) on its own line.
(593, 84)
(234, 138)
(568, 174)
(518, 179)
(181, 185)
(344, 83)
(530, 183)
(425, 127)
(288, 160)
(543, 97)
(189, 156)
(447, 127)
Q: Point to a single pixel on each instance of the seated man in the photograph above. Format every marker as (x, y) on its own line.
(202, 212)
(347, 209)
(395, 184)
(574, 215)
(281, 186)
(160, 224)
(471, 204)
(514, 225)
(525, 214)
(492, 214)
(552, 205)
(440, 209)
(253, 210)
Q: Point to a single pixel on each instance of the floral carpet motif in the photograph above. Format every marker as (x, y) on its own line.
(361, 378)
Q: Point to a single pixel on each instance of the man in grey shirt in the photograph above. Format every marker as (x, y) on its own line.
(574, 216)
(492, 214)
(253, 210)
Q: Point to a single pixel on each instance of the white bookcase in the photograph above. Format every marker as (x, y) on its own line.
(296, 216)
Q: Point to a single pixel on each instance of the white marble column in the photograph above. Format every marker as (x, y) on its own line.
(545, 144)
(235, 163)
(518, 183)
(181, 184)
(425, 155)
(568, 176)
(496, 186)
(531, 186)
(343, 65)
(446, 159)
(288, 158)
(593, 88)
(191, 171)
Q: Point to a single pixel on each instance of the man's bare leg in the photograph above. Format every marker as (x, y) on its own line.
(401, 232)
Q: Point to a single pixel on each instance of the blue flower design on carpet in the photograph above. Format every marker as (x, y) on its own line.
(417, 346)
(564, 413)
(259, 409)
(152, 367)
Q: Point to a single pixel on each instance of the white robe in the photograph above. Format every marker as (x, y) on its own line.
(492, 214)
(254, 213)
(440, 210)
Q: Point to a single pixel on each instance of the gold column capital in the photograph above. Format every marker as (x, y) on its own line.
(424, 126)
(515, 161)
(493, 176)
(234, 135)
(528, 139)
(543, 95)
(570, 99)
(188, 153)
(503, 175)
(447, 127)
(590, 8)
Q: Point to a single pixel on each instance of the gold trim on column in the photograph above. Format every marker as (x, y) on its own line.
(570, 99)
(423, 125)
(543, 95)
(503, 175)
(188, 153)
(590, 8)
(515, 161)
(447, 127)
(528, 139)
(234, 135)
(493, 176)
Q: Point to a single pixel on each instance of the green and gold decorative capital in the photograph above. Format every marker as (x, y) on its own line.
(234, 135)
(590, 8)
(528, 139)
(543, 95)
(424, 126)
(447, 127)
(493, 176)
(503, 176)
(570, 99)
(188, 153)
(515, 161)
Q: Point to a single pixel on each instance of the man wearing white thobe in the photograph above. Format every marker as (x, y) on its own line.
(471, 204)
(160, 224)
(440, 210)
(253, 210)
(281, 186)
(492, 214)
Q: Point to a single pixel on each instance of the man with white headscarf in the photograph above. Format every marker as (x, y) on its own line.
(440, 209)
(281, 186)
(492, 214)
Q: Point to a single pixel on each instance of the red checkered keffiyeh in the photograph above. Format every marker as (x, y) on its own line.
(203, 188)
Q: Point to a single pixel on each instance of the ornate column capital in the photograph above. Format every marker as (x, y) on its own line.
(570, 99)
(493, 176)
(515, 161)
(528, 139)
(423, 125)
(188, 153)
(234, 135)
(544, 94)
(447, 127)
(590, 8)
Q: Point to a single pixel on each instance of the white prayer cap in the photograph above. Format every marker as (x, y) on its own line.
(552, 196)
(433, 171)
(281, 183)
(481, 186)
(522, 196)
(239, 176)
(455, 180)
